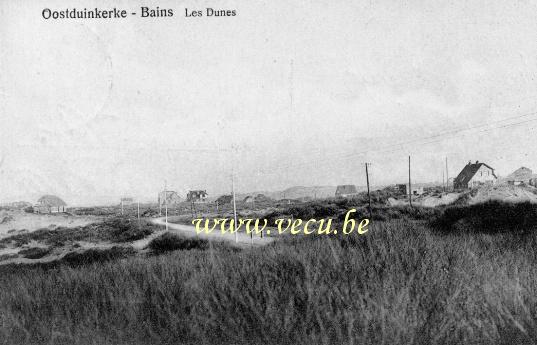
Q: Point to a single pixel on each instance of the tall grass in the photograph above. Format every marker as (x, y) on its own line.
(401, 283)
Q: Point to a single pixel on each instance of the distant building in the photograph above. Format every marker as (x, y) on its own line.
(49, 204)
(346, 191)
(473, 175)
(197, 196)
(256, 198)
(126, 201)
(403, 189)
(520, 176)
(224, 199)
(168, 198)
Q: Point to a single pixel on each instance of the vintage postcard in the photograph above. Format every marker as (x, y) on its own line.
(268, 172)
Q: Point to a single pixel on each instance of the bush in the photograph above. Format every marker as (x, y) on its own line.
(169, 242)
(96, 255)
(126, 230)
(488, 217)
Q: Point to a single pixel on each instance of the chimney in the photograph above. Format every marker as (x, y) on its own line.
(469, 162)
(476, 162)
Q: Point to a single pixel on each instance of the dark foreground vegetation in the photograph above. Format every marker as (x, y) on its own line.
(169, 242)
(405, 282)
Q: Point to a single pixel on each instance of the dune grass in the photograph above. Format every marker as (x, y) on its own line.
(116, 229)
(401, 283)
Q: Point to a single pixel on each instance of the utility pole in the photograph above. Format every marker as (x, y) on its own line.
(443, 182)
(368, 192)
(121, 206)
(447, 177)
(409, 184)
(166, 202)
(159, 205)
(234, 203)
(138, 212)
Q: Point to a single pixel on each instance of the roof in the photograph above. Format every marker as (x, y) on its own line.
(346, 189)
(199, 192)
(469, 171)
(169, 197)
(51, 201)
(169, 194)
(521, 174)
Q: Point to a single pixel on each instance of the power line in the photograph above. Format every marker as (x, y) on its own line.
(398, 146)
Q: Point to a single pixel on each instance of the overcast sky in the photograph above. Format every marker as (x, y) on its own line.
(294, 92)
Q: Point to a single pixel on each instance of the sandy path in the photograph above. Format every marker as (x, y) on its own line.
(242, 239)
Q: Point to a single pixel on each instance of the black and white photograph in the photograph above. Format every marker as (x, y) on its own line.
(351, 172)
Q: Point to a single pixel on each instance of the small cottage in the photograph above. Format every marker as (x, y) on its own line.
(49, 204)
(197, 196)
(346, 191)
(402, 188)
(169, 198)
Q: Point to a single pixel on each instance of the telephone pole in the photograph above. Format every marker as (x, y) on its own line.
(234, 203)
(166, 202)
(138, 212)
(159, 205)
(447, 177)
(409, 184)
(368, 192)
(443, 181)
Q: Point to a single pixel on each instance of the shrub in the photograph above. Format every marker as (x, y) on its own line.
(96, 255)
(169, 242)
(126, 230)
(488, 217)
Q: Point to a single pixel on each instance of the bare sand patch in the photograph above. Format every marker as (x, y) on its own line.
(13, 221)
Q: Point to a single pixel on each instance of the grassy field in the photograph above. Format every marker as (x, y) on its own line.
(417, 277)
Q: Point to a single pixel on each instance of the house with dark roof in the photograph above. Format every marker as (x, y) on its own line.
(197, 196)
(473, 175)
(346, 191)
